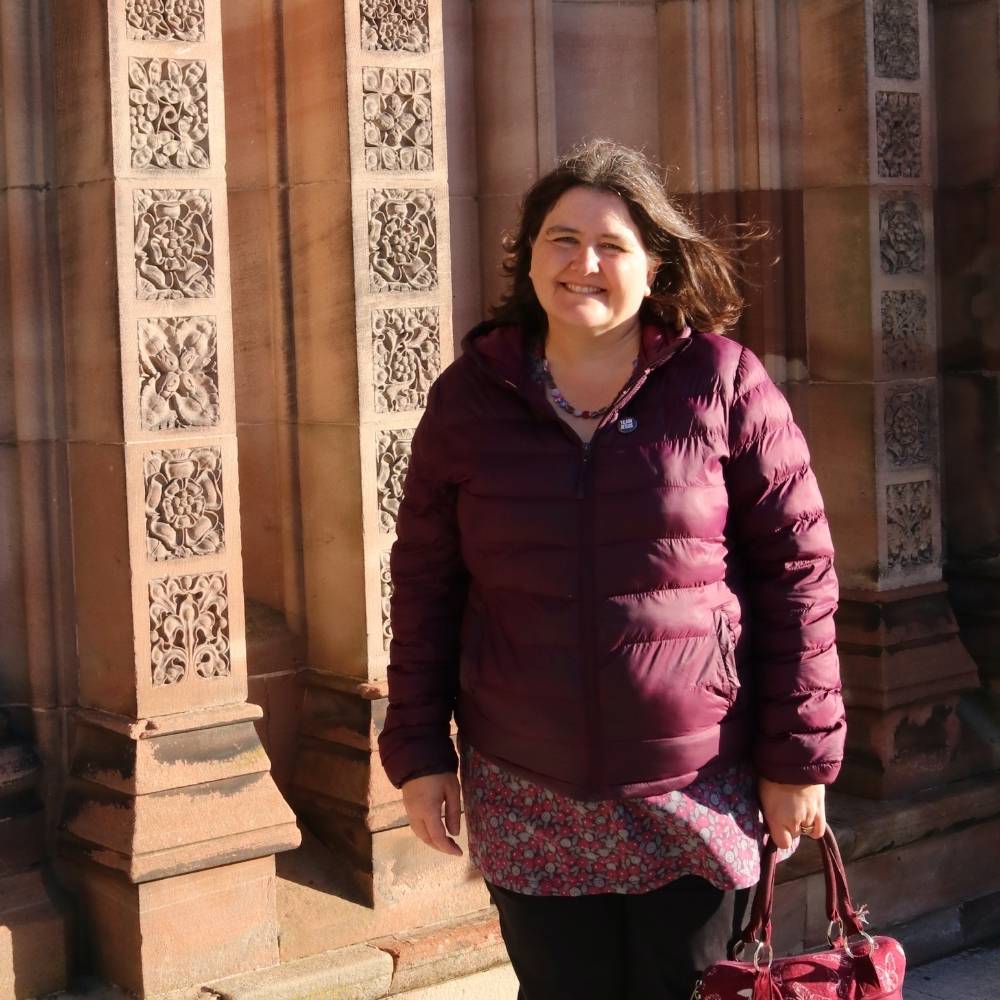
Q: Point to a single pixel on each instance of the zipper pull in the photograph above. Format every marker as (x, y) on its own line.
(581, 482)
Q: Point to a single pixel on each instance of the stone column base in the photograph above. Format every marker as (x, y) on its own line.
(904, 671)
(165, 935)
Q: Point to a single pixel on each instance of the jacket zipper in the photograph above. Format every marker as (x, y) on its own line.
(588, 528)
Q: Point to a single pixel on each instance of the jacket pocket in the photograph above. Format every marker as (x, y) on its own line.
(726, 637)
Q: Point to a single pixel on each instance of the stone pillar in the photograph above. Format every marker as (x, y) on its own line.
(172, 819)
(968, 205)
(872, 326)
(372, 310)
(37, 659)
(515, 118)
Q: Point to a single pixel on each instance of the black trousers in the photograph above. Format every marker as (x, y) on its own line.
(649, 946)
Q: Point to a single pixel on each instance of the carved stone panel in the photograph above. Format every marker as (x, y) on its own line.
(897, 134)
(183, 503)
(908, 425)
(189, 627)
(897, 39)
(407, 357)
(397, 110)
(392, 461)
(168, 113)
(171, 20)
(901, 234)
(395, 25)
(904, 331)
(178, 373)
(402, 241)
(174, 255)
(908, 515)
(386, 589)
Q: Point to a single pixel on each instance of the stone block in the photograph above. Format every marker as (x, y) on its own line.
(262, 511)
(82, 85)
(89, 276)
(35, 934)
(280, 696)
(497, 983)
(967, 152)
(444, 952)
(588, 38)
(315, 69)
(15, 678)
(22, 833)
(354, 973)
(253, 115)
(834, 77)
(677, 125)
(320, 906)
(178, 830)
(512, 145)
(843, 457)
(460, 59)
(323, 285)
(332, 526)
(498, 216)
(467, 305)
(149, 943)
(106, 640)
(838, 266)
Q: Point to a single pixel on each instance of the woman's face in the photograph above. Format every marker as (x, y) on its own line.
(589, 267)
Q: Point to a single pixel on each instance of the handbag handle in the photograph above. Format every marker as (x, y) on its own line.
(839, 906)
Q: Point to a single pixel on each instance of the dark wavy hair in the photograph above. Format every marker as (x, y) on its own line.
(696, 277)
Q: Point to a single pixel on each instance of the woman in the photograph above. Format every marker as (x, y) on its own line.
(614, 569)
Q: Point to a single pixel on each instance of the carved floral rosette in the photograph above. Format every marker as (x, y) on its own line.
(174, 252)
(184, 515)
(402, 241)
(898, 134)
(395, 25)
(910, 537)
(406, 357)
(178, 372)
(165, 20)
(393, 458)
(896, 38)
(168, 113)
(188, 628)
(904, 331)
(397, 116)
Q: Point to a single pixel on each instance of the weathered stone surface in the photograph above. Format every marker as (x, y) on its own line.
(360, 972)
(35, 943)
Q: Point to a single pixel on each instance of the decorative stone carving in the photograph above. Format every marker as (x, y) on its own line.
(178, 372)
(901, 234)
(183, 503)
(168, 113)
(908, 519)
(897, 134)
(393, 459)
(386, 585)
(395, 25)
(407, 357)
(904, 331)
(908, 425)
(173, 244)
(397, 109)
(402, 241)
(174, 20)
(189, 627)
(897, 39)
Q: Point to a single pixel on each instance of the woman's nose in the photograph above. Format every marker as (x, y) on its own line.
(587, 260)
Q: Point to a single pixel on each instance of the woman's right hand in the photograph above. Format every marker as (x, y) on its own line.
(423, 799)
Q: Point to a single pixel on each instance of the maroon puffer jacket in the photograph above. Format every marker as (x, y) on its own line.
(616, 619)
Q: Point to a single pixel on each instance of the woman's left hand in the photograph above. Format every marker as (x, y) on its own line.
(792, 810)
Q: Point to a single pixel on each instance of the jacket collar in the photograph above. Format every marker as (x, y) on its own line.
(503, 350)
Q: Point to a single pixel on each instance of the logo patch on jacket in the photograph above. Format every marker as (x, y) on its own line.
(627, 424)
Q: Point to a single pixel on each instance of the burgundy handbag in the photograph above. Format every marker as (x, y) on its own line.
(855, 966)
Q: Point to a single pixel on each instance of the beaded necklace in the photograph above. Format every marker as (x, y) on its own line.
(543, 373)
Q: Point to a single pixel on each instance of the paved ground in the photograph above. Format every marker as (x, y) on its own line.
(970, 975)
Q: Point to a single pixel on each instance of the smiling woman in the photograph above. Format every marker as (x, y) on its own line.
(589, 489)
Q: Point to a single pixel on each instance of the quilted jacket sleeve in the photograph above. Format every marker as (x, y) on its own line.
(429, 589)
(779, 528)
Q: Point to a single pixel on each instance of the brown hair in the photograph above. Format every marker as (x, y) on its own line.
(696, 279)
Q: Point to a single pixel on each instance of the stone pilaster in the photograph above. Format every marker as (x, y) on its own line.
(171, 819)
(372, 305)
(872, 326)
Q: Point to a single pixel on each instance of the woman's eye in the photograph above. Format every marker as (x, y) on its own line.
(566, 240)
(612, 246)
